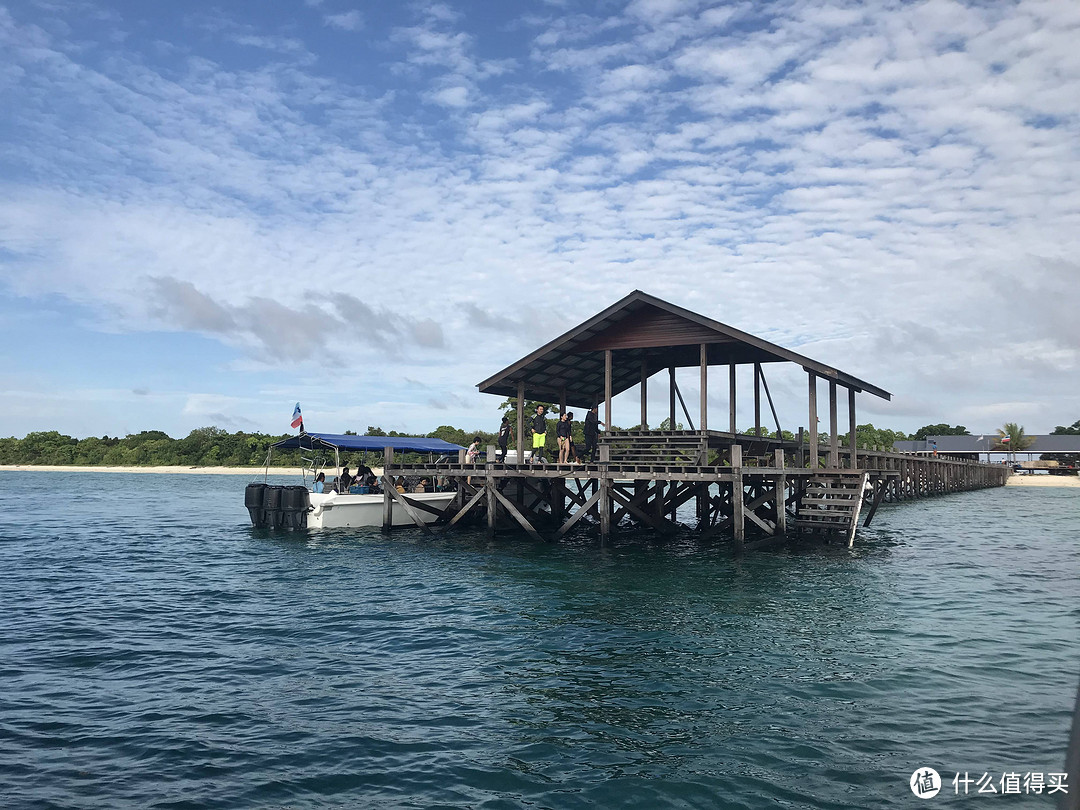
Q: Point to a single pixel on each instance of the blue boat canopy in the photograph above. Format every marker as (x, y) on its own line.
(343, 441)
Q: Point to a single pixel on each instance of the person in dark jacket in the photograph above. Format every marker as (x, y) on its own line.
(592, 432)
(504, 438)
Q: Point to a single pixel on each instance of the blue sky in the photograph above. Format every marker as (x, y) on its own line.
(210, 211)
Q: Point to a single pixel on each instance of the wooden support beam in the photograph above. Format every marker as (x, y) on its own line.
(704, 416)
(630, 504)
(737, 525)
(492, 505)
(644, 392)
(671, 396)
(834, 439)
(732, 426)
(516, 515)
(853, 462)
(388, 487)
(521, 422)
(757, 399)
(579, 514)
(467, 507)
(812, 395)
(607, 387)
(387, 507)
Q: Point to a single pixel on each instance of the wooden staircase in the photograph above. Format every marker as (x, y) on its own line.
(831, 504)
(677, 448)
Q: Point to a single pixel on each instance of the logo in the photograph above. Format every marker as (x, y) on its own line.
(925, 783)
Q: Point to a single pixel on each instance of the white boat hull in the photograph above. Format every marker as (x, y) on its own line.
(333, 511)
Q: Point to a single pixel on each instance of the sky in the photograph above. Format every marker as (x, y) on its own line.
(211, 211)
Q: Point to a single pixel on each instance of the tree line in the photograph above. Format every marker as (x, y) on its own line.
(213, 446)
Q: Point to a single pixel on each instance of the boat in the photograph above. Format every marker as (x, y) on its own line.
(300, 507)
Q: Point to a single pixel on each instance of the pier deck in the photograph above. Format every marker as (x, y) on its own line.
(645, 477)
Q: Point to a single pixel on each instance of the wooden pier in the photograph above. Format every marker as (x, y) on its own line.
(749, 488)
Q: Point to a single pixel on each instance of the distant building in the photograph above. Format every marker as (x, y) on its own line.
(972, 447)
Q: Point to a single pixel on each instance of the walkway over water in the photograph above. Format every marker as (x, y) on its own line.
(746, 486)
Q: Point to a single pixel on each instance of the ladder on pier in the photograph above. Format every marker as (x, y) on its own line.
(831, 503)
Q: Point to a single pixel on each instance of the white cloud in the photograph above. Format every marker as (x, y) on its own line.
(904, 181)
(346, 20)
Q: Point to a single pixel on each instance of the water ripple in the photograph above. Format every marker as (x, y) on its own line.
(158, 652)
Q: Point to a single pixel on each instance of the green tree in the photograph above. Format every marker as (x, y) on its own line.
(868, 437)
(938, 430)
(1012, 439)
(1072, 430)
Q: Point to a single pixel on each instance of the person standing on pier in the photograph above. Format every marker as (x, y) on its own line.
(504, 439)
(539, 434)
(562, 435)
(592, 432)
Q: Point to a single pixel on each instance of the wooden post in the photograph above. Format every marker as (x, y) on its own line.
(644, 393)
(757, 399)
(852, 454)
(607, 387)
(732, 427)
(562, 400)
(813, 422)
(520, 422)
(671, 396)
(738, 525)
(704, 387)
(781, 495)
(834, 440)
(800, 459)
(489, 489)
(387, 504)
(604, 505)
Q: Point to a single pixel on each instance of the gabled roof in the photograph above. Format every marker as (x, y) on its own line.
(643, 327)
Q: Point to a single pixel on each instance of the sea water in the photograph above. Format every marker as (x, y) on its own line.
(158, 652)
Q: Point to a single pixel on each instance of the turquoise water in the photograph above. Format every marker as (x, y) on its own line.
(158, 652)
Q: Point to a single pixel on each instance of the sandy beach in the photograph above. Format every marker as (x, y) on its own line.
(250, 471)
(1043, 481)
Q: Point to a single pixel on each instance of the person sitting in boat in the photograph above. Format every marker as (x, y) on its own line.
(344, 480)
(399, 485)
(320, 483)
(423, 486)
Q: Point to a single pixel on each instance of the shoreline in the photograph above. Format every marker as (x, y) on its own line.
(1017, 480)
(157, 470)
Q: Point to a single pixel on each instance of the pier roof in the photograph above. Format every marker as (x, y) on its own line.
(648, 334)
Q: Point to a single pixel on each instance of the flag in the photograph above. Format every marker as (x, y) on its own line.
(297, 419)
(1005, 439)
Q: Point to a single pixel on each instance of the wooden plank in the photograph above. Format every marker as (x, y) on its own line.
(812, 397)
